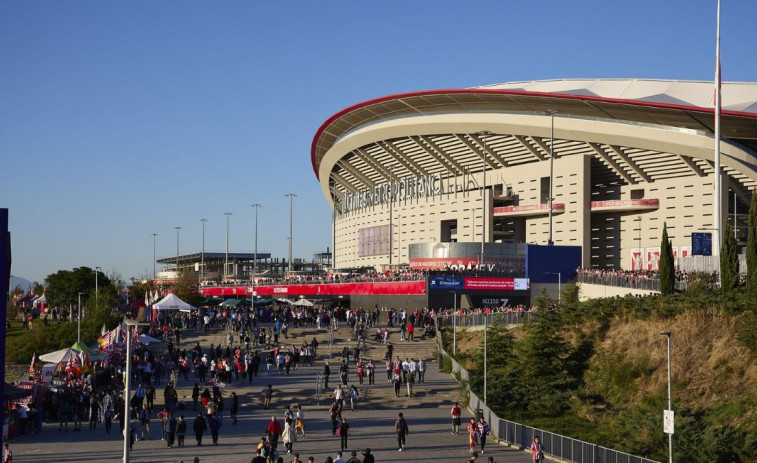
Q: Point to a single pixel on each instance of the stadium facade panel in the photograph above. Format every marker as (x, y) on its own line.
(620, 157)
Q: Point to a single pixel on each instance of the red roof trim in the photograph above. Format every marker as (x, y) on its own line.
(508, 92)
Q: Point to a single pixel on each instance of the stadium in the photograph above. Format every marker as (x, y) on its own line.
(467, 177)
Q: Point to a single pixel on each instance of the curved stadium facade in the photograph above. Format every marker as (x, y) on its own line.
(410, 175)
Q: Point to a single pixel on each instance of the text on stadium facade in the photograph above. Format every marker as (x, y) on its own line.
(406, 188)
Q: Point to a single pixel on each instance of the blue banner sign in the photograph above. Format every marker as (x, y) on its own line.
(448, 283)
(701, 244)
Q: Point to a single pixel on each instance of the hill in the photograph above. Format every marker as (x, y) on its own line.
(597, 371)
(19, 281)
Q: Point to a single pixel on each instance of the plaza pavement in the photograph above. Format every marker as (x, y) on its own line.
(371, 424)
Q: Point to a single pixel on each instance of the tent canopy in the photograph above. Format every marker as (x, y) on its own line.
(58, 356)
(145, 339)
(303, 303)
(172, 302)
(236, 302)
(11, 392)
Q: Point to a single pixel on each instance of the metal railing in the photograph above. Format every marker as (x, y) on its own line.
(480, 319)
(556, 445)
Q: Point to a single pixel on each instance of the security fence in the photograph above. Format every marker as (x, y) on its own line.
(557, 446)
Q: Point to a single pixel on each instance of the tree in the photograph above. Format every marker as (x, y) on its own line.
(729, 261)
(751, 249)
(667, 267)
(187, 289)
(64, 286)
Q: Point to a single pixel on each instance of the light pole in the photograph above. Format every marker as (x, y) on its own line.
(226, 262)
(291, 197)
(454, 324)
(97, 271)
(716, 213)
(391, 214)
(78, 322)
(154, 241)
(127, 386)
(177, 252)
(255, 251)
(486, 328)
(551, 113)
(483, 134)
(202, 255)
(669, 426)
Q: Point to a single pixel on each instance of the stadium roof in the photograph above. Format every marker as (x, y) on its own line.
(636, 130)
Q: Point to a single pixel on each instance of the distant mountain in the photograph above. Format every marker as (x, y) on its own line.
(18, 281)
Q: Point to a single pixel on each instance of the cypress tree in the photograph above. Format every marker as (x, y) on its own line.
(751, 249)
(667, 266)
(729, 261)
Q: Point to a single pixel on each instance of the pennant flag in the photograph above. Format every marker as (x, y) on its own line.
(147, 299)
(103, 330)
(155, 296)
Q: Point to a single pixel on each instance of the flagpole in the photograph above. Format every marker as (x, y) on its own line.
(718, 177)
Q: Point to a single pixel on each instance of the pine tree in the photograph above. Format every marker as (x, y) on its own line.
(751, 249)
(729, 260)
(667, 267)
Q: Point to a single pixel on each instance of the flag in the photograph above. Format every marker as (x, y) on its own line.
(86, 365)
(155, 297)
(32, 369)
(147, 299)
(103, 330)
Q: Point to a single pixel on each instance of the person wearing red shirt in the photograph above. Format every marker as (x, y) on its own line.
(274, 430)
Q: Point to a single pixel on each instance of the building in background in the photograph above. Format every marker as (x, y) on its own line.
(478, 165)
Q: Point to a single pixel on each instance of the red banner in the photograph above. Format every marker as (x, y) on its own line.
(440, 263)
(497, 284)
(325, 290)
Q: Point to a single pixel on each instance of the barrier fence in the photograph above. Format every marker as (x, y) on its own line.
(556, 445)
(479, 319)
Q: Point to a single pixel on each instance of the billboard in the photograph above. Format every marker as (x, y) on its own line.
(497, 284)
(636, 259)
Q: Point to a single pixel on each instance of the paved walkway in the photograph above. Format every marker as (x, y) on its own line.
(371, 424)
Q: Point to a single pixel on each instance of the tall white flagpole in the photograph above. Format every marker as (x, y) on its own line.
(717, 219)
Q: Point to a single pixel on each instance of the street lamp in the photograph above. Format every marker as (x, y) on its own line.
(202, 256)
(78, 322)
(291, 196)
(454, 324)
(483, 134)
(486, 328)
(127, 389)
(226, 263)
(255, 251)
(668, 415)
(97, 271)
(177, 252)
(154, 241)
(551, 113)
(391, 214)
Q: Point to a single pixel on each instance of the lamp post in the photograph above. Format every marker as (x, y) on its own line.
(486, 329)
(255, 251)
(226, 262)
(177, 252)
(202, 255)
(291, 197)
(154, 241)
(551, 113)
(716, 213)
(454, 324)
(483, 134)
(391, 214)
(97, 271)
(127, 386)
(78, 322)
(669, 412)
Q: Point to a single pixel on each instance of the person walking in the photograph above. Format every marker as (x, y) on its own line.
(537, 450)
(339, 396)
(400, 427)
(335, 415)
(456, 412)
(7, 454)
(274, 430)
(288, 437)
(299, 424)
(354, 395)
(144, 421)
(234, 409)
(472, 429)
(267, 394)
(344, 432)
(181, 431)
(326, 374)
(171, 427)
(483, 431)
(199, 428)
(215, 426)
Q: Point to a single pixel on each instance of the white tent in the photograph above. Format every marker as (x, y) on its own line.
(303, 303)
(172, 302)
(58, 356)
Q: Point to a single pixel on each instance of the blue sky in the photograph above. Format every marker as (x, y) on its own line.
(123, 119)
